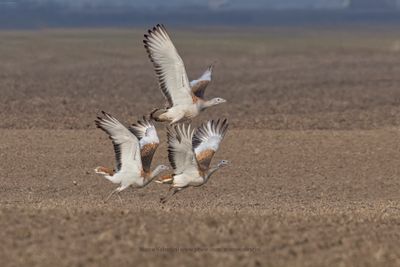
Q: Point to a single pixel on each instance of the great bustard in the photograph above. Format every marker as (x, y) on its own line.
(134, 150)
(190, 154)
(173, 81)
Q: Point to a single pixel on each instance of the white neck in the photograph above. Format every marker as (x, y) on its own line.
(211, 172)
(207, 104)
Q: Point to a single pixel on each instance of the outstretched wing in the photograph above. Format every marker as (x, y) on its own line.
(126, 145)
(180, 152)
(146, 132)
(168, 66)
(199, 86)
(206, 141)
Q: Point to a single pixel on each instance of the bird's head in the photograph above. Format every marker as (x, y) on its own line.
(223, 163)
(163, 167)
(159, 169)
(216, 101)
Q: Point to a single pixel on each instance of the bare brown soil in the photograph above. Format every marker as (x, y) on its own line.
(314, 148)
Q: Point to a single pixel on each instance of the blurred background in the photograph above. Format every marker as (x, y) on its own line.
(103, 13)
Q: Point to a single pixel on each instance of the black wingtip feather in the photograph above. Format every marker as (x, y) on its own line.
(170, 136)
(218, 126)
(157, 29)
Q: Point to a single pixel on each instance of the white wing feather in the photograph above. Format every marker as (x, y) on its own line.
(145, 131)
(126, 145)
(209, 135)
(180, 152)
(169, 67)
(206, 76)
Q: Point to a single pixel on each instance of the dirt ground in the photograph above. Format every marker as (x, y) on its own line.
(313, 143)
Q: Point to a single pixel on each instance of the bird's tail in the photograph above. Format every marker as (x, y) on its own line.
(109, 174)
(165, 179)
(104, 171)
(156, 114)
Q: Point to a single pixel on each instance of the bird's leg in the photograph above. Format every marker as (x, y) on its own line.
(119, 197)
(117, 190)
(112, 193)
(164, 199)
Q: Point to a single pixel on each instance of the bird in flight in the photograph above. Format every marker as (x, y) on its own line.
(183, 103)
(190, 153)
(134, 149)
